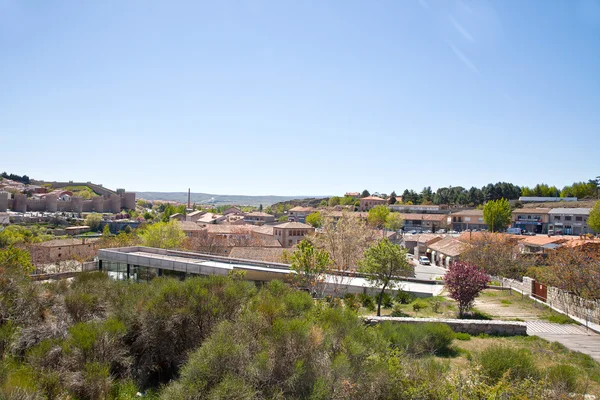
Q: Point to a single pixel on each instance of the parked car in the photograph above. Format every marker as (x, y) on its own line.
(410, 256)
(423, 260)
(441, 231)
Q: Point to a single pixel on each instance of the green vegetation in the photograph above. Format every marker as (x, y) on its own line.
(315, 219)
(165, 235)
(384, 264)
(84, 192)
(594, 218)
(497, 214)
(497, 360)
(23, 235)
(93, 221)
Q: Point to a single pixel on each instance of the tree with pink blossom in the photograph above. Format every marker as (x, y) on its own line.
(465, 282)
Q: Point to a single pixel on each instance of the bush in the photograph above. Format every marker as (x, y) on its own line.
(462, 336)
(419, 305)
(559, 319)
(366, 301)
(398, 312)
(387, 300)
(563, 378)
(419, 339)
(497, 360)
(403, 297)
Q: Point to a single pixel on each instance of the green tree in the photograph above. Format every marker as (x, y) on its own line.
(334, 201)
(594, 218)
(384, 265)
(315, 219)
(347, 201)
(260, 208)
(323, 203)
(106, 231)
(497, 214)
(93, 221)
(283, 218)
(394, 222)
(310, 265)
(365, 193)
(165, 235)
(378, 216)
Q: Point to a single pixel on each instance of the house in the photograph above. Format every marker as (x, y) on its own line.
(446, 251)
(468, 219)
(59, 250)
(569, 221)
(422, 209)
(259, 218)
(291, 233)
(352, 194)
(417, 244)
(233, 210)
(424, 222)
(531, 219)
(366, 203)
(194, 216)
(191, 229)
(177, 217)
(299, 213)
(210, 218)
(541, 244)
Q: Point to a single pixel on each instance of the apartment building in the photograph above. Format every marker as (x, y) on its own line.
(291, 233)
(569, 221)
(468, 219)
(299, 214)
(533, 220)
(366, 203)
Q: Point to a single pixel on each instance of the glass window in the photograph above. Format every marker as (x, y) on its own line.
(568, 218)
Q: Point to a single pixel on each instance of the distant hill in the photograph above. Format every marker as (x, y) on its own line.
(217, 199)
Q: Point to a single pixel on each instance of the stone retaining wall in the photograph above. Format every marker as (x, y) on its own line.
(523, 287)
(470, 326)
(574, 306)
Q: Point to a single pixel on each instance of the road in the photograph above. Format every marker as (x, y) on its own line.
(428, 271)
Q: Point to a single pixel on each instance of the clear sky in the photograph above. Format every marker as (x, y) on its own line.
(300, 97)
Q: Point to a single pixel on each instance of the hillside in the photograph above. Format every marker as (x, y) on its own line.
(217, 199)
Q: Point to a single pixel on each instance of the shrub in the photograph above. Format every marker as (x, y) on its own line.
(559, 319)
(497, 360)
(563, 377)
(367, 301)
(386, 300)
(351, 301)
(462, 336)
(403, 297)
(435, 305)
(419, 339)
(419, 305)
(398, 312)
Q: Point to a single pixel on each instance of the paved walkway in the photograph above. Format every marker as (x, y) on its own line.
(574, 337)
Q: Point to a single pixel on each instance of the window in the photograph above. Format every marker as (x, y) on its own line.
(579, 219)
(557, 217)
(529, 217)
(290, 242)
(568, 218)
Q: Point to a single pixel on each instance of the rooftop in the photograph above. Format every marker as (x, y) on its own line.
(468, 213)
(564, 210)
(372, 198)
(450, 246)
(294, 225)
(67, 242)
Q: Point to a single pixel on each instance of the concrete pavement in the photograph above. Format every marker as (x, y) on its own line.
(572, 336)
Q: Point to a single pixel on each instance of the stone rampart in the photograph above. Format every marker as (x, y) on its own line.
(470, 326)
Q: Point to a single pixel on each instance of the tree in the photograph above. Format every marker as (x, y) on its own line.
(365, 193)
(497, 214)
(497, 254)
(283, 218)
(384, 264)
(310, 265)
(378, 216)
(392, 200)
(93, 221)
(260, 208)
(464, 283)
(323, 203)
(394, 222)
(334, 201)
(346, 240)
(594, 218)
(315, 219)
(575, 270)
(165, 235)
(106, 231)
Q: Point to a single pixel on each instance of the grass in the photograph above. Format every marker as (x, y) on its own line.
(550, 359)
(558, 318)
(505, 302)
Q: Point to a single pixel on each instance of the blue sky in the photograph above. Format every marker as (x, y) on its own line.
(300, 97)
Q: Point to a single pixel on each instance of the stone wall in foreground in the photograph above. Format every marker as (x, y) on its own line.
(470, 326)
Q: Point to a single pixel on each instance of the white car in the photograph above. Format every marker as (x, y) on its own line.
(424, 260)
